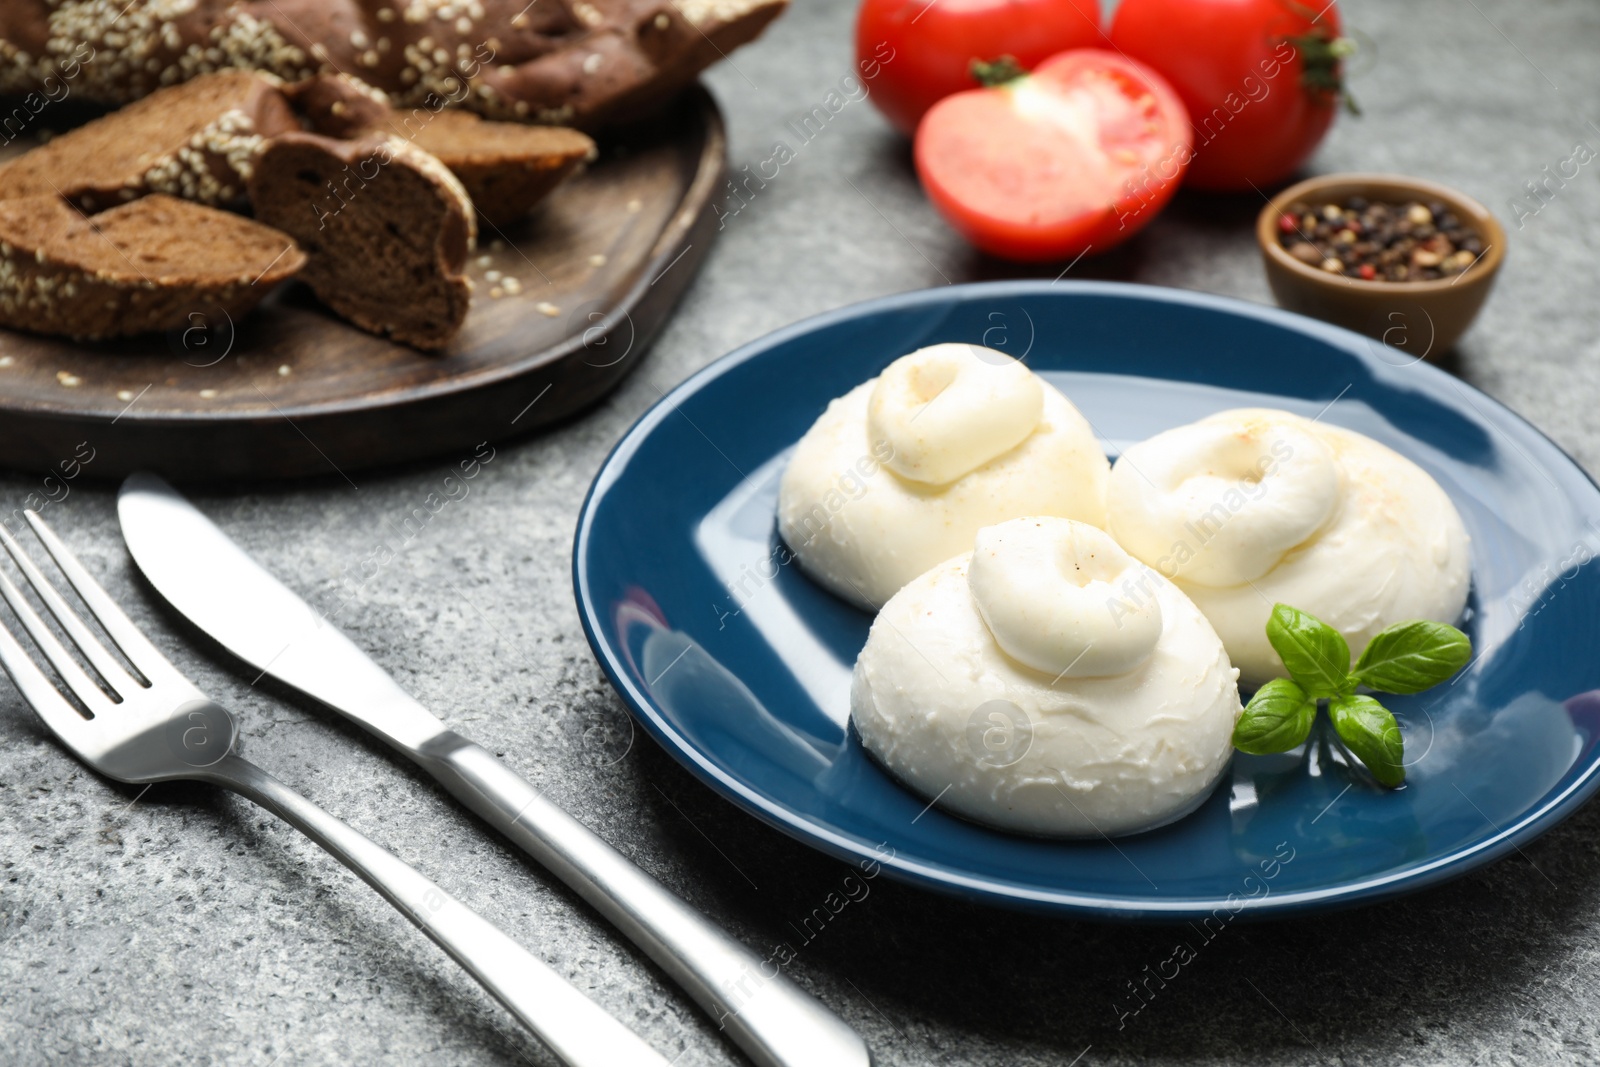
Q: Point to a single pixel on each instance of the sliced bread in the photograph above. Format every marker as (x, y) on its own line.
(197, 140)
(506, 167)
(148, 265)
(386, 228)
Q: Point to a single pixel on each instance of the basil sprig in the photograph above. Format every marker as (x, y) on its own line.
(1407, 657)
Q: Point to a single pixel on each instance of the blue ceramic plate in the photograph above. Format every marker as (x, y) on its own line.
(740, 665)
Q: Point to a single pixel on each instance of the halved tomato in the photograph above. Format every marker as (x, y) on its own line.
(1075, 157)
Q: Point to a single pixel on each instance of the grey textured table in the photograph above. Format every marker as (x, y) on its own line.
(180, 925)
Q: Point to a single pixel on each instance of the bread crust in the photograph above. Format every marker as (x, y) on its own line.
(584, 63)
(197, 141)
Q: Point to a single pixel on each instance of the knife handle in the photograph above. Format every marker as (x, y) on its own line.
(577, 1029)
(772, 1019)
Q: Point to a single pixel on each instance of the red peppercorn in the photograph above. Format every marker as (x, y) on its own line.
(1288, 224)
(1368, 271)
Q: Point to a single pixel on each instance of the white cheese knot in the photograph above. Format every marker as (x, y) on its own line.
(901, 473)
(946, 410)
(1253, 507)
(1223, 502)
(1063, 598)
(1085, 752)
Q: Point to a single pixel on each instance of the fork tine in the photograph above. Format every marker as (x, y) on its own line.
(85, 688)
(144, 656)
(96, 653)
(40, 693)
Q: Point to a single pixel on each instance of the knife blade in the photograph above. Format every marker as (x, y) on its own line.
(217, 586)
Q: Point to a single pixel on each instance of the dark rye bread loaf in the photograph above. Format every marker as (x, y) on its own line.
(506, 167)
(196, 141)
(567, 62)
(148, 265)
(386, 230)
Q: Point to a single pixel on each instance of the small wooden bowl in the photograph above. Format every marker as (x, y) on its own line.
(1422, 319)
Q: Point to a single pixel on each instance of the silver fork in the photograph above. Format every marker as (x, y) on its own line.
(160, 728)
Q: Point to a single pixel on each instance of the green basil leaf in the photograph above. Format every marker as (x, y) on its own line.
(1315, 654)
(1369, 731)
(1278, 718)
(1409, 657)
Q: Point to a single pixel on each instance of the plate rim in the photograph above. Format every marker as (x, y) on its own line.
(1550, 811)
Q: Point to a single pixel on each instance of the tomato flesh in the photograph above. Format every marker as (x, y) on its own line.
(1076, 157)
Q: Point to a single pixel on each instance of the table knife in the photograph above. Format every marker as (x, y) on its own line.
(211, 581)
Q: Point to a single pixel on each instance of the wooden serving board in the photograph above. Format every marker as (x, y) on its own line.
(294, 391)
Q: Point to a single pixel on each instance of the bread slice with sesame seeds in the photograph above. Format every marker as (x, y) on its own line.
(145, 266)
(386, 228)
(506, 167)
(196, 140)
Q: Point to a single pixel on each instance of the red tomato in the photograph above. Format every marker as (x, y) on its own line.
(1077, 156)
(922, 50)
(1240, 67)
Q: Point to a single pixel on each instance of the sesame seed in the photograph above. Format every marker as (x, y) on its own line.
(208, 394)
(125, 395)
(283, 371)
(591, 62)
(497, 292)
(635, 206)
(491, 276)
(597, 260)
(6, 361)
(544, 307)
(484, 261)
(68, 379)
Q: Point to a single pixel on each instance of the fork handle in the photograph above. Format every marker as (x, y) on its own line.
(578, 1030)
(772, 1019)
